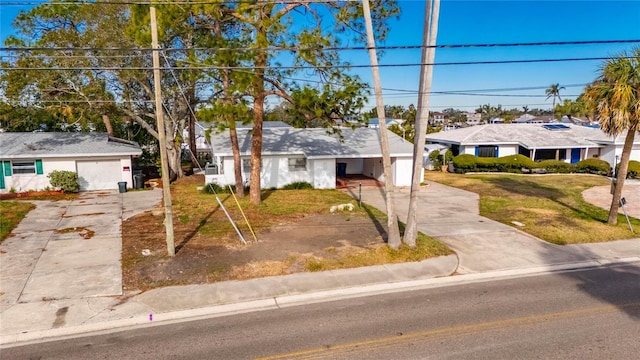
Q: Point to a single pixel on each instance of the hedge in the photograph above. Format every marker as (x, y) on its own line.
(592, 166)
(633, 172)
(519, 163)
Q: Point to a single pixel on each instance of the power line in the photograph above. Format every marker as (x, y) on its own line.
(318, 67)
(340, 48)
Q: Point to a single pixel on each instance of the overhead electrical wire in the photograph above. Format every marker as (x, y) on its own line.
(328, 48)
(308, 67)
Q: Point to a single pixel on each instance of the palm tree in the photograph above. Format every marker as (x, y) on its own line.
(615, 99)
(554, 92)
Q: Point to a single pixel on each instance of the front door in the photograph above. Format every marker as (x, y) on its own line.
(575, 155)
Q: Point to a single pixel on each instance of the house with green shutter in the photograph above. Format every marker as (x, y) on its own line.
(100, 160)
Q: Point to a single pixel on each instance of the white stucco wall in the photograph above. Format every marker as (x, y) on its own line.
(354, 166)
(323, 173)
(372, 167)
(506, 150)
(402, 171)
(275, 172)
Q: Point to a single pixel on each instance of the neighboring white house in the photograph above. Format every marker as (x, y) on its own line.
(374, 123)
(100, 160)
(564, 142)
(312, 155)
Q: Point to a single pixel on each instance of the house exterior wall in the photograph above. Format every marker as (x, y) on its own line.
(402, 171)
(275, 172)
(609, 153)
(506, 150)
(354, 166)
(372, 167)
(323, 173)
(26, 182)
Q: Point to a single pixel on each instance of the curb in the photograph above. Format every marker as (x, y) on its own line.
(284, 301)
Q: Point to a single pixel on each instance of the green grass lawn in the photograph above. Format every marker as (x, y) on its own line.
(11, 213)
(551, 207)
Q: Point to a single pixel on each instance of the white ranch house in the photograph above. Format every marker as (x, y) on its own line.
(555, 141)
(312, 155)
(100, 160)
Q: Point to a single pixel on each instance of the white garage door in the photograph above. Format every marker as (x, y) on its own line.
(99, 175)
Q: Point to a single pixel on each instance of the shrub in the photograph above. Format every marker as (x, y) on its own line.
(214, 188)
(555, 166)
(67, 181)
(465, 163)
(592, 166)
(299, 185)
(436, 158)
(514, 163)
(633, 172)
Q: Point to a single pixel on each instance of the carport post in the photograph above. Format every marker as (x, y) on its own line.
(360, 194)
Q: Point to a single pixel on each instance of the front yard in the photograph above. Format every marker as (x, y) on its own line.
(295, 231)
(550, 207)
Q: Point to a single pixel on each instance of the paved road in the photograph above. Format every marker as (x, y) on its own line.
(593, 314)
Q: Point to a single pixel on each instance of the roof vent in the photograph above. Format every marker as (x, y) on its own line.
(555, 127)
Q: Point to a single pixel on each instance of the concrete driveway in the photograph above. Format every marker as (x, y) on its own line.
(451, 216)
(69, 249)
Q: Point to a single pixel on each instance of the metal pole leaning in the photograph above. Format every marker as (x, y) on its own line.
(231, 220)
(243, 215)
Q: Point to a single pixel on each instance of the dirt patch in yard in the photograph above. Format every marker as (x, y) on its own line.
(281, 249)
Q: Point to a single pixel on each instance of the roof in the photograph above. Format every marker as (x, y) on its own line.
(388, 121)
(19, 145)
(528, 135)
(314, 143)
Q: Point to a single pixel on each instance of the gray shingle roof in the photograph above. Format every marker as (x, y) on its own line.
(314, 143)
(527, 135)
(52, 144)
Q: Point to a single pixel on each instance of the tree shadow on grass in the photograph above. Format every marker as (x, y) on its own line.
(531, 188)
(201, 223)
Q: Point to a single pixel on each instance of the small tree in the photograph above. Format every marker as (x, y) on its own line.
(67, 181)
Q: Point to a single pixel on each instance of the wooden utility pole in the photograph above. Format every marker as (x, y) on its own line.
(430, 34)
(164, 165)
(392, 221)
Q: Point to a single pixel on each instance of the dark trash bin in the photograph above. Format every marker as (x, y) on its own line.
(341, 169)
(122, 186)
(138, 181)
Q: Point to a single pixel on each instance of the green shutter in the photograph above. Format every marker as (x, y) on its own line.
(1, 178)
(7, 168)
(39, 167)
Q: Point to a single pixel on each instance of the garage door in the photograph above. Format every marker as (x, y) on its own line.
(99, 175)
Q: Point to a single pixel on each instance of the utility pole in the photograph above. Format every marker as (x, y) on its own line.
(430, 34)
(166, 183)
(393, 239)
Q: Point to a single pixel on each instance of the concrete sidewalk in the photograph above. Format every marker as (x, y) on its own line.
(485, 249)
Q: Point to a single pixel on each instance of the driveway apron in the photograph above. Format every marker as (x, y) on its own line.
(72, 250)
(451, 216)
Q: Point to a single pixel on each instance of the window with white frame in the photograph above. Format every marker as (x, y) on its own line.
(297, 164)
(23, 167)
(246, 166)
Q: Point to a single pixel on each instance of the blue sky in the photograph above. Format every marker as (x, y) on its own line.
(475, 22)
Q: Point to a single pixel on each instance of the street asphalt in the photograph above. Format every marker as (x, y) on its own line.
(61, 269)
